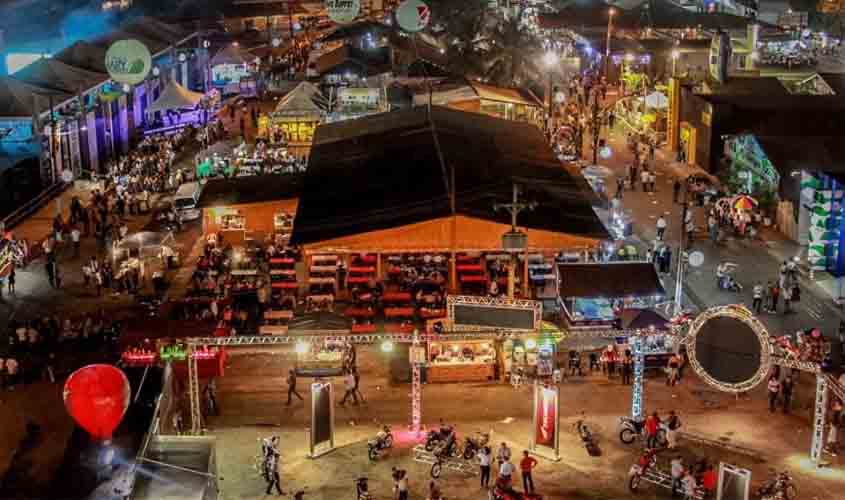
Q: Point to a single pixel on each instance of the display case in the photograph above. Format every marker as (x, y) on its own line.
(461, 361)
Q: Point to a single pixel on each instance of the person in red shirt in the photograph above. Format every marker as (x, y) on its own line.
(526, 465)
(652, 423)
(709, 480)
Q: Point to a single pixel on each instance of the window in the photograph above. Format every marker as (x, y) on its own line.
(283, 222)
(233, 222)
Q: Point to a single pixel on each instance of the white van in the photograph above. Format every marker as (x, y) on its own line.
(185, 200)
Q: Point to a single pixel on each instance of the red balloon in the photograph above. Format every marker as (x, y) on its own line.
(96, 396)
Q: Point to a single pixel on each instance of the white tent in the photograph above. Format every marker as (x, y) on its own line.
(175, 96)
(656, 100)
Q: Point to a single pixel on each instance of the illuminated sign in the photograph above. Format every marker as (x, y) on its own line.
(128, 61)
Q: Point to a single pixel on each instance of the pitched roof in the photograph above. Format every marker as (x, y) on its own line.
(304, 100)
(20, 99)
(175, 96)
(56, 74)
(231, 54)
(84, 55)
(372, 62)
(249, 189)
(242, 10)
(609, 280)
(383, 171)
(505, 94)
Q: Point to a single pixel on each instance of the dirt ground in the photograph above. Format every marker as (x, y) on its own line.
(252, 394)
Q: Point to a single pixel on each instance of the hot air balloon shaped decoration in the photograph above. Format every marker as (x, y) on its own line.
(97, 396)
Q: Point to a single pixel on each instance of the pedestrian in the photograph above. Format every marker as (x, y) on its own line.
(676, 190)
(709, 481)
(526, 465)
(786, 392)
(11, 373)
(400, 483)
(690, 485)
(274, 463)
(775, 297)
(713, 228)
(503, 454)
(11, 279)
(661, 227)
(484, 463)
(787, 300)
(611, 118)
(652, 182)
(620, 187)
(349, 385)
(757, 302)
(627, 364)
(506, 470)
(672, 370)
(357, 377)
(672, 426)
(51, 272)
(676, 470)
(690, 229)
(74, 238)
(644, 179)
(292, 386)
(652, 424)
(774, 390)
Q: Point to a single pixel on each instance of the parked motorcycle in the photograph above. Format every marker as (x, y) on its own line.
(647, 461)
(475, 443)
(362, 489)
(780, 487)
(630, 430)
(587, 438)
(503, 490)
(436, 437)
(383, 441)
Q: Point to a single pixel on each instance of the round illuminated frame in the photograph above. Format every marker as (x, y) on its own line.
(743, 315)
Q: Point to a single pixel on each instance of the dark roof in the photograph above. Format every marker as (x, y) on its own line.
(422, 68)
(383, 171)
(796, 153)
(263, 9)
(609, 280)
(21, 99)
(55, 74)
(637, 319)
(347, 58)
(84, 55)
(357, 29)
(249, 189)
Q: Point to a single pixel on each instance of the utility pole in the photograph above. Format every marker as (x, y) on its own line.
(514, 208)
(596, 126)
(679, 278)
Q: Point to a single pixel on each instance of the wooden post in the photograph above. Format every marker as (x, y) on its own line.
(525, 275)
(378, 266)
(453, 274)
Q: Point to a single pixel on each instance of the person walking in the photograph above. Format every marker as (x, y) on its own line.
(506, 470)
(627, 365)
(349, 385)
(356, 389)
(786, 392)
(672, 426)
(400, 478)
(292, 386)
(713, 228)
(484, 463)
(676, 470)
(757, 302)
(775, 297)
(503, 454)
(11, 279)
(74, 238)
(676, 190)
(690, 485)
(526, 466)
(644, 179)
(774, 390)
(787, 299)
(661, 226)
(273, 467)
(652, 424)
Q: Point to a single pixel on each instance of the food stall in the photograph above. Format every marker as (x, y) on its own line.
(324, 358)
(461, 361)
(296, 117)
(531, 356)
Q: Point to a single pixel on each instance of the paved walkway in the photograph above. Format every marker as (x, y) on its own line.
(758, 261)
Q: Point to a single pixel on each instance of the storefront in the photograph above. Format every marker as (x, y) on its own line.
(461, 361)
(295, 118)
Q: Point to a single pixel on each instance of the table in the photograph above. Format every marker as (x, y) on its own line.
(324, 258)
(287, 285)
(321, 281)
(469, 267)
(398, 312)
(362, 269)
(283, 272)
(244, 272)
(460, 372)
(278, 314)
(358, 279)
(397, 297)
(426, 313)
(273, 330)
(282, 260)
(473, 278)
(359, 312)
(323, 269)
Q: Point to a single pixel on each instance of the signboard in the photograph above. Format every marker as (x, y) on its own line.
(793, 19)
(545, 422)
(720, 54)
(343, 11)
(322, 419)
(471, 313)
(672, 125)
(734, 483)
(128, 61)
(416, 355)
(413, 15)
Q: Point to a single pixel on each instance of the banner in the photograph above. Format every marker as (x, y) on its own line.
(546, 421)
(322, 419)
(128, 61)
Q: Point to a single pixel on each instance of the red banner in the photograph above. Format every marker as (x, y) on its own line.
(546, 418)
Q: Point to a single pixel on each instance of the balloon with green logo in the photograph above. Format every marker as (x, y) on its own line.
(128, 61)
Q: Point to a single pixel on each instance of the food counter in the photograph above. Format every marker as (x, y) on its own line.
(461, 361)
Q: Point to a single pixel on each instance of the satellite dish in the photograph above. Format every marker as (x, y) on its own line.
(413, 15)
(696, 259)
(343, 11)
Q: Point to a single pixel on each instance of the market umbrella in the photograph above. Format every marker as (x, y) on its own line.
(145, 239)
(744, 202)
(656, 100)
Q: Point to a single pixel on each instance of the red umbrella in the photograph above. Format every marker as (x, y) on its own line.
(97, 396)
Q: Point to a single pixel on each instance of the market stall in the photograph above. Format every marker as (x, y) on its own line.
(295, 118)
(461, 361)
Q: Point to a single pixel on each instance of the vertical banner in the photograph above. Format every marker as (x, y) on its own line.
(322, 419)
(672, 119)
(545, 423)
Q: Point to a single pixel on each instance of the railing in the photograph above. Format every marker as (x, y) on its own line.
(33, 205)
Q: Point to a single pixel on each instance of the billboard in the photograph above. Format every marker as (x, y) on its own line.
(545, 433)
(470, 313)
(322, 419)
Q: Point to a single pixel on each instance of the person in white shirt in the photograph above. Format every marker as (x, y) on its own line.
(676, 469)
(506, 470)
(690, 484)
(349, 385)
(12, 372)
(484, 463)
(661, 227)
(74, 238)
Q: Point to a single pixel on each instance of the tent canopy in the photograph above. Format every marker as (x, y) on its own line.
(22, 100)
(656, 100)
(175, 96)
(231, 54)
(145, 239)
(304, 100)
(55, 74)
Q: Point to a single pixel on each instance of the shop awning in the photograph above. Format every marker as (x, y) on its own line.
(175, 96)
(609, 280)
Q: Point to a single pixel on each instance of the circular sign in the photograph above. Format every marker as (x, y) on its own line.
(605, 152)
(343, 11)
(729, 348)
(128, 61)
(413, 15)
(67, 176)
(276, 42)
(696, 259)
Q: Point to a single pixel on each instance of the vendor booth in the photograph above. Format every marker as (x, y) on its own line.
(295, 118)
(178, 107)
(461, 361)
(595, 294)
(229, 67)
